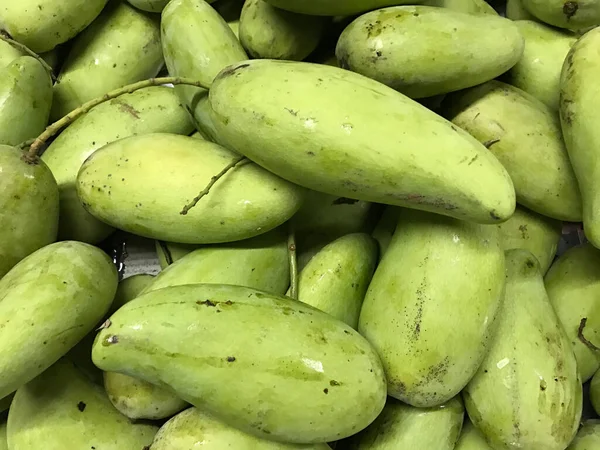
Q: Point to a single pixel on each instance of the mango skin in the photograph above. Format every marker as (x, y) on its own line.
(130, 288)
(301, 385)
(28, 207)
(149, 110)
(142, 183)
(573, 286)
(574, 15)
(461, 50)
(471, 438)
(43, 24)
(446, 279)
(522, 133)
(8, 54)
(333, 7)
(100, 59)
(62, 409)
(588, 436)
(595, 392)
(170, 252)
(476, 7)
(149, 5)
(516, 11)
(330, 144)
(527, 392)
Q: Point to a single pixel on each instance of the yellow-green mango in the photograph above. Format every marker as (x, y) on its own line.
(384, 230)
(538, 70)
(336, 279)
(5, 402)
(530, 231)
(594, 392)
(430, 308)
(471, 438)
(342, 137)
(25, 98)
(141, 184)
(573, 14)
(8, 54)
(516, 11)
(120, 47)
(402, 426)
(61, 409)
(573, 286)
(149, 110)
(527, 392)
(267, 365)
(169, 252)
(43, 24)
(579, 100)
(194, 426)
(523, 133)
(333, 7)
(588, 436)
(149, 5)
(28, 207)
(235, 27)
(461, 50)
(48, 303)
(476, 7)
(272, 33)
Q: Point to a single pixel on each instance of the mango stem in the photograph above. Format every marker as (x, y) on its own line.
(4, 36)
(582, 338)
(293, 263)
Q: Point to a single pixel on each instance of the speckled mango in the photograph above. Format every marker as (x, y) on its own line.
(527, 392)
(337, 132)
(430, 308)
(120, 47)
(471, 438)
(8, 54)
(61, 409)
(476, 7)
(149, 5)
(588, 436)
(149, 110)
(169, 252)
(460, 50)
(525, 135)
(573, 14)
(333, 7)
(595, 392)
(300, 382)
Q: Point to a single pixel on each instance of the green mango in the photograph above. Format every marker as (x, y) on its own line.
(169, 252)
(28, 207)
(384, 230)
(530, 231)
(5, 402)
(573, 14)
(141, 184)
(594, 392)
(476, 7)
(522, 133)
(446, 278)
(100, 59)
(25, 98)
(342, 137)
(516, 11)
(579, 100)
(43, 24)
(387, 45)
(235, 27)
(272, 33)
(471, 438)
(8, 54)
(527, 393)
(336, 279)
(573, 286)
(129, 288)
(267, 365)
(333, 7)
(48, 303)
(149, 5)
(62, 409)
(193, 425)
(149, 110)
(588, 436)
(402, 426)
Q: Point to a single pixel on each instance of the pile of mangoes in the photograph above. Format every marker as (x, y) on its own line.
(356, 206)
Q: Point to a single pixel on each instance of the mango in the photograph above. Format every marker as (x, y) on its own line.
(516, 11)
(522, 133)
(573, 286)
(430, 308)
(62, 409)
(235, 27)
(402, 426)
(579, 100)
(149, 110)
(100, 59)
(299, 383)
(129, 288)
(588, 436)
(333, 123)
(25, 98)
(149, 5)
(465, 6)
(48, 302)
(43, 24)
(385, 228)
(574, 14)
(460, 50)
(169, 252)
(471, 438)
(527, 392)
(8, 54)
(333, 7)
(595, 392)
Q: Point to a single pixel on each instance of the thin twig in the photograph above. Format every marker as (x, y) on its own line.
(24, 145)
(6, 38)
(582, 338)
(293, 263)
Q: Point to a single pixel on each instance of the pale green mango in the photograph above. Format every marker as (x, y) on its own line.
(336, 279)
(527, 393)
(573, 286)
(476, 7)
(235, 27)
(579, 100)
(120, 47)
(28, 207)
(446, 278)
(141, 184)
(471, 438)
(538, 70)
(43, 24)
(342, 137)
(573, 14)
(3, 439)
(149, 5)
(61, 409)
(8, 54)
(267, 365)
(516, 11)
(402, 426)
(595, 392)
(522, 133)
(588, 436)
(461, 50)
(5, 402)
(333, 7)
(130, 288)
(48, 303)
(384, 230)
(25, 98)
(149, 110)
(169, 252)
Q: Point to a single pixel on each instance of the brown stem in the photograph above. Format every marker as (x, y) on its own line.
(582, 337)
(4, 36)
(293, 263)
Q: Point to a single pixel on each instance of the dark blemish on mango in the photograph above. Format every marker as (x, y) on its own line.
(530, 264)
(570, 8)
(310, 153)
(231, 359)
(488, 144)
(523, 230)
(292, 112)
(494, 216)
(206, 302)
(334, 383)
(473, 160)
(110, 340)
(326, 391)
(81, 406)
(344, 201)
